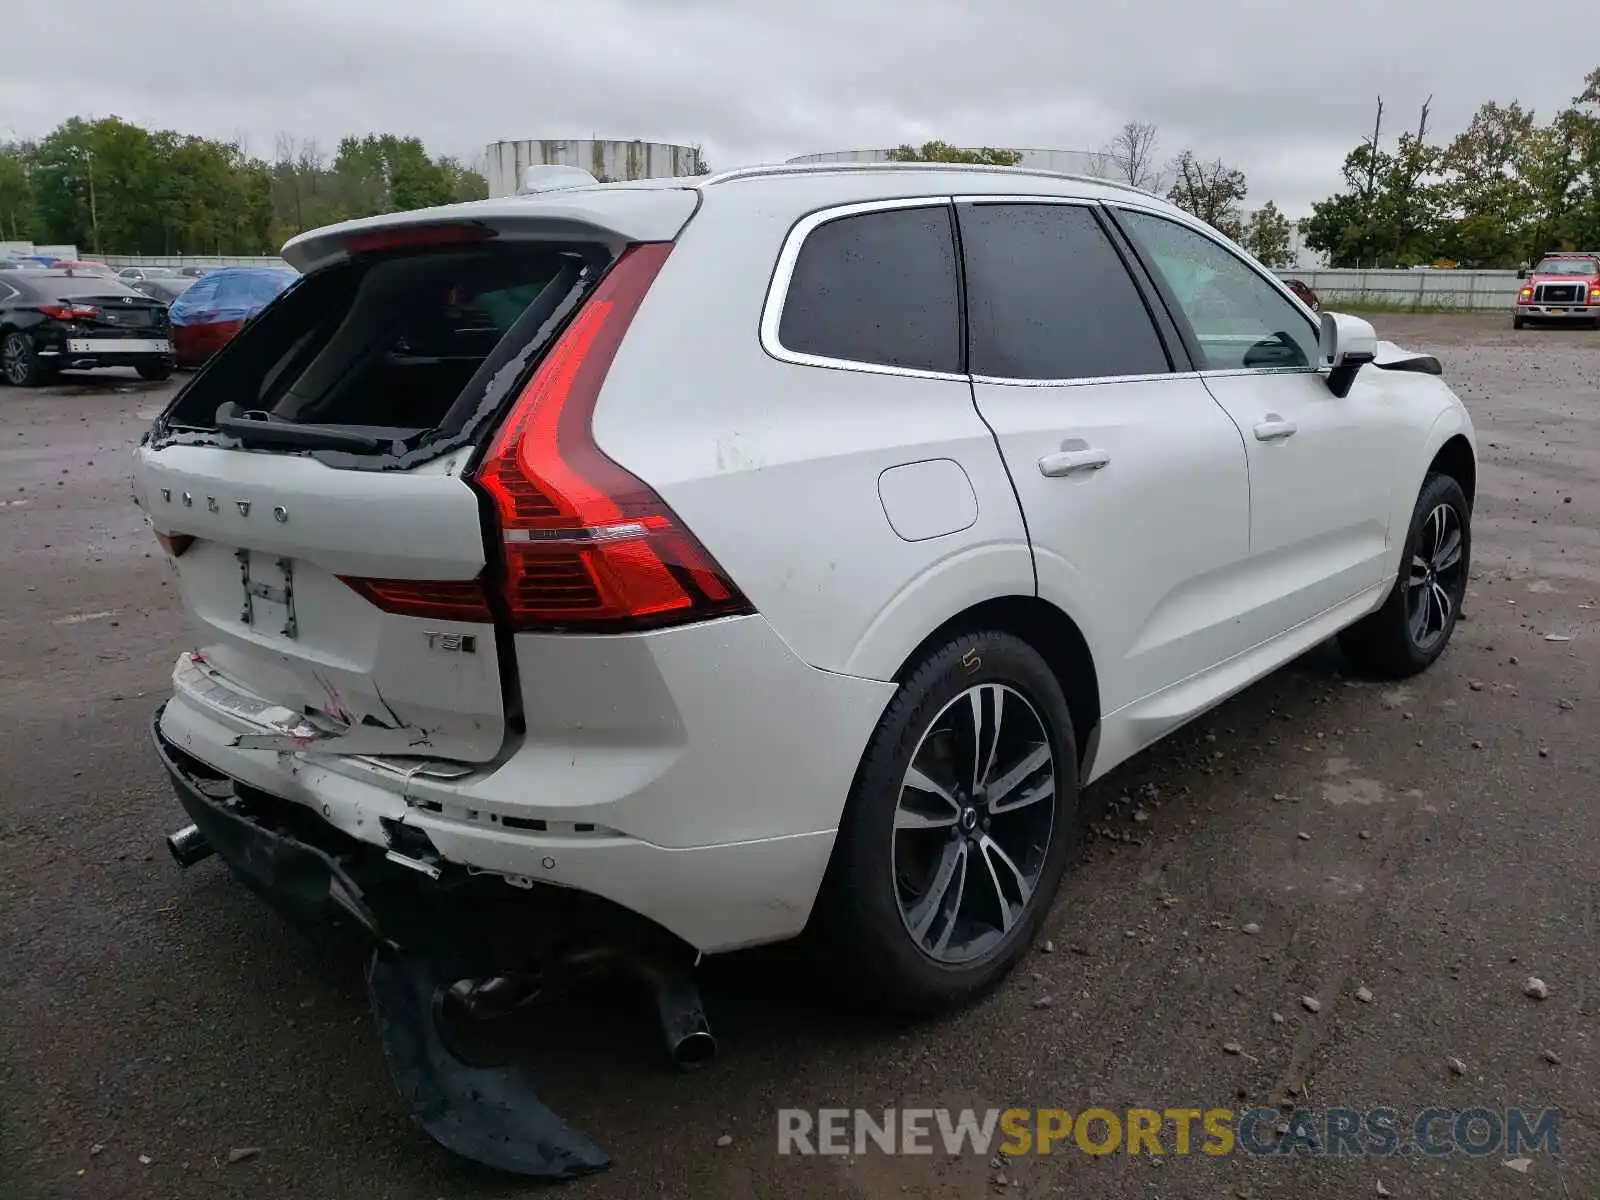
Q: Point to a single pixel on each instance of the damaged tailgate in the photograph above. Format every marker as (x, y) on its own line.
(280, 559)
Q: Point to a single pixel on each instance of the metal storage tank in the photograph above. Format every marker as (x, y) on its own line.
(605, 160)
(1071, 162)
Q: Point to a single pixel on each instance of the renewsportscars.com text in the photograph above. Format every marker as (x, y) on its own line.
(1373, 1132)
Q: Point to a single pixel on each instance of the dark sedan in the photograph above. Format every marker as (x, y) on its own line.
(165, 288)
(56, 320)
(205, 318)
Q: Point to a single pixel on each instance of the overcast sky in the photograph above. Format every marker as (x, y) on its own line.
(1279, 89)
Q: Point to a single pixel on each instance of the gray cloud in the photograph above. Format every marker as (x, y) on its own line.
(1280, 90)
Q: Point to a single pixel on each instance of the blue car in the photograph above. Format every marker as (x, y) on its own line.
(207, 315)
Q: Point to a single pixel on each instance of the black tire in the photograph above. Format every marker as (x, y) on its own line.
(862, 928)
(155, 372)
(1517, 322)
(1388, 643)
(19, 365)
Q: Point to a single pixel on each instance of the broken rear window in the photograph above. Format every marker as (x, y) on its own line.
(402, 346)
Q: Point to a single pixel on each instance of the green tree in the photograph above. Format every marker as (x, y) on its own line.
(1491, 206)
(1551, 166)
(16, 192)
(1211, 191)
(382, 173)
(1268, 235)
(943, 152)
(1391, 212)
(464, 183)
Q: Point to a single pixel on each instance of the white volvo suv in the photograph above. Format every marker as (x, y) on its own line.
(774, 550)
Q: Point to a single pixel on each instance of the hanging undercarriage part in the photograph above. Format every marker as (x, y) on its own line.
(448, 951)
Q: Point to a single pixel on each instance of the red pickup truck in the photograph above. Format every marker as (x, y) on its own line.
(1563, 287)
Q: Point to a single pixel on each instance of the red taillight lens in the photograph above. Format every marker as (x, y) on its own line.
(69, 312)
(175, 543)
(414, 237)
(586, 543)
(440, 599)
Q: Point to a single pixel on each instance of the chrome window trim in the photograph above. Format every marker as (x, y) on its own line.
(1021, 198)
(1086, 381)
(783, 275)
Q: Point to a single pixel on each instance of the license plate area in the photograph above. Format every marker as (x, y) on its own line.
(116, 345)
(268, 584)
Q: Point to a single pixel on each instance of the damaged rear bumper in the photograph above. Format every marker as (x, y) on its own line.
(425, 963)
(283, 870)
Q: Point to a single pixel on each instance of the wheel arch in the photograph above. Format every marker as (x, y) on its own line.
(1450, 446)
(1055, 636)
(1456, 459)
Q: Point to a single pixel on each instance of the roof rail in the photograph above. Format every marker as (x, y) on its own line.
(739, 173)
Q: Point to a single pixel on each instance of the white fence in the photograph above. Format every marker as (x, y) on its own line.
(187, 260)
(1411, 289)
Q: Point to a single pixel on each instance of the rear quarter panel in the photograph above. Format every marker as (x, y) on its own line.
(776, 466)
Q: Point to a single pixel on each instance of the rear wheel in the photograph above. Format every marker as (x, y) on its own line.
(959, 827)
(19, 364)
(1414, 625)
(154, 371)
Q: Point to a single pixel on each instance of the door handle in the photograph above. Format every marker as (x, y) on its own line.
(1066, 461)
(1274, 429)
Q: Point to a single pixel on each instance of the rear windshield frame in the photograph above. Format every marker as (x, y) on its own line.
(478, 406)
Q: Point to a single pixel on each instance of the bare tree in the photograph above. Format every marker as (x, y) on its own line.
(1133, 153)
(1371, 187)
(1211, 191)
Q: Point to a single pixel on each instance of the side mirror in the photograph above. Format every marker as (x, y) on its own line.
(1522, 272)
(1348, 344)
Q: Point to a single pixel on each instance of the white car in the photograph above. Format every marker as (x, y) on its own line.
(775, 550)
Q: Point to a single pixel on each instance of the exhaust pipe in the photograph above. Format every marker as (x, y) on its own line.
(685, 1032)
(189, 846)
(680, 1014)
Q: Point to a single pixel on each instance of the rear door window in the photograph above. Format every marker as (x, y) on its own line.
(1048, 297)
(877, 288)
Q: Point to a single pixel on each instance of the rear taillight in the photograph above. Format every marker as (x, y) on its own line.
(69, 312)
(438, 599)
(585, 543)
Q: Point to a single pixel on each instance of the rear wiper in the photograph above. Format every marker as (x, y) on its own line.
(254, 427)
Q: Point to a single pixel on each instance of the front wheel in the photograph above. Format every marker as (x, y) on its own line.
(1414, 625)
(155, 372)
(957, 831)
(1517, 322)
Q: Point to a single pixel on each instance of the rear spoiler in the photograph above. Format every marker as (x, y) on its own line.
(613, 217)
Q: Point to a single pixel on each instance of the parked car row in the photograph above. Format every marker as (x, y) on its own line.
(82, 315)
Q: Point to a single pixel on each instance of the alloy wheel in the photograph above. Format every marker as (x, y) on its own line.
(1434, 586)
(14, 360)
(973, 823)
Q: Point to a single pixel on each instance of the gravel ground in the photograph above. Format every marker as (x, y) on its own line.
(1435, 843)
